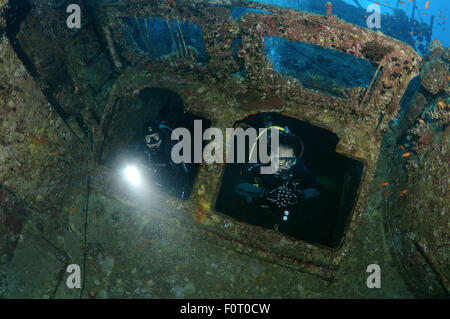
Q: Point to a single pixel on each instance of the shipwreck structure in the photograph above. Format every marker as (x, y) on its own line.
(227, 60)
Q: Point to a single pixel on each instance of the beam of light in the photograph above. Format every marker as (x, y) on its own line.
(132, 175)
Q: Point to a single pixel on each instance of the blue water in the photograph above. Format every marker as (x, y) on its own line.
(441, 31)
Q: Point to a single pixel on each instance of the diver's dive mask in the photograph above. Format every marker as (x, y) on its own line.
(285, 166)
(287, 162)
(153, 140)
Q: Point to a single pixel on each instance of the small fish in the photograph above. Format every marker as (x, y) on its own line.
(401, 2)
(377, 3)
(403, 192)
(74, 210)
(53, 153)
(441, 104)
(424, 14)
(172, 2)
(401, 147)
(386, 194)
(384, 184)
(446, 139)
(406, 154)
(426, 4)
(149, 66)
(420, 121)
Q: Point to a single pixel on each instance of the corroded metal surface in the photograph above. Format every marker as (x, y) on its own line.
(416, 214)
(29, 152)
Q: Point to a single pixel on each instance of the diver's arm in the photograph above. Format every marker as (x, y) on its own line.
(251, 191)
(311, 188)
(245, 188)
(310, 193)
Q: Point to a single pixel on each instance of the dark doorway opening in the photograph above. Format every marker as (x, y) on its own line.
(153, 111)
(320, 220)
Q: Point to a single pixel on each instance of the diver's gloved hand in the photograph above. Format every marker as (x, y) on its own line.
(282, 197)
(249, 191)
(301, 196)
(310, 193)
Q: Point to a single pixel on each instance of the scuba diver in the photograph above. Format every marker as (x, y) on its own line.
(154, 150)
(158, 142)
(280, 194)
(152, 145)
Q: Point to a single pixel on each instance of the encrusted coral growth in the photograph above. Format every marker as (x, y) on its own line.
(34, 140)
(434, 119)
(71, 66)
(417, 209)
(440, 111)
(376, 51)
(415, 109)
(418, 226)
(435, 69)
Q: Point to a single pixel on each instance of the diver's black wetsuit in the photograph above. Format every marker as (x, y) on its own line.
(176, 179)
(257, 189)
(255, 185)
(171, 177)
